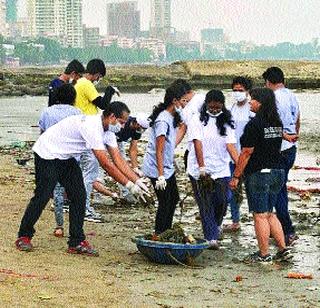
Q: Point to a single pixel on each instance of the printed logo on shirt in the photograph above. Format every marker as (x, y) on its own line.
(272, 132)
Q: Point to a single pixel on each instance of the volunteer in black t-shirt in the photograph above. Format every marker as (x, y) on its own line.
(260, 162)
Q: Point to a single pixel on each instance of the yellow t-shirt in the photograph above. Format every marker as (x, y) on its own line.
(86, 94)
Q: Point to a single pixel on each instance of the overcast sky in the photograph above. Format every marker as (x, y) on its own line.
(260, 21)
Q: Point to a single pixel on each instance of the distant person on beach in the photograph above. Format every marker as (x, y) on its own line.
(211, 140)
(158, 163)
(241, 115)
(72, 73)
(65, 96)
(260, 164)
(89, 102)
(56, 153)
(289, 111)
(131, 133)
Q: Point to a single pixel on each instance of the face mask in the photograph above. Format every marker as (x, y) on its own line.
(178, 109)
(239, 96)
(214, 115)
(96, 82)
(71, 81)
(114, 128)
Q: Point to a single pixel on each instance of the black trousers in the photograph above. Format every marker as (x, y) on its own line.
(167, 200)
(47, 174)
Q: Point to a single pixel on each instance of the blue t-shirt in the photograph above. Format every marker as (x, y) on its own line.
(163, 126)
(55, 83)
(56, 113)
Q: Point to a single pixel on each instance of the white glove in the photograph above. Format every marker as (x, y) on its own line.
(136, 190)
(138, 172)
(115, 196)
(143, 186)
(116, 90)
(202, 171)
(161, 183)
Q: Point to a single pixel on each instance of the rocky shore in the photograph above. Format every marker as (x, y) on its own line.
(136, 78)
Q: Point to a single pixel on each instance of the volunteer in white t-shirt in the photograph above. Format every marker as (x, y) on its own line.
(56, 152)
(241, 115)
(211, 141)
(158, 163)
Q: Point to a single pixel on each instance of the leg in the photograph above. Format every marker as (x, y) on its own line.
(276, 231)
(167, 200)
(281, 205)
(71, 178)
(46, 175)
(262, 229)
(234, 206)
(206, 208)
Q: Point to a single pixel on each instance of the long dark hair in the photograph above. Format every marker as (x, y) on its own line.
(224, 118)
(173, 92)
(268, 109)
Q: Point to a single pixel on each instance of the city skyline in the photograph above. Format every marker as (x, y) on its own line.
(262, 22)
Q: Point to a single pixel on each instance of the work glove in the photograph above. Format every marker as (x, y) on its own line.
(116, 90)
(142, 185)
(138, 172)
(202, 171)
(161, 183)
(137, 191)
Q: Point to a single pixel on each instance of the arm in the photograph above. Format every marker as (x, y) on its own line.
(181, 132)
(242, 163)
(109, 167)
(133, 153)
(103, 102)
(199, 152)
(160, 142)
(298, 124)
(121, 164)
(233, 152)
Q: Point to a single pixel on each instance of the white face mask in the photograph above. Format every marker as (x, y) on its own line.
(214, 115)
(178, 109)
(71, 81)
(239, 96)
(96, 82)
(114, 128)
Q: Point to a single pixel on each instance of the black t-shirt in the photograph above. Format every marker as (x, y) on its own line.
(127, 132)
(266, 141)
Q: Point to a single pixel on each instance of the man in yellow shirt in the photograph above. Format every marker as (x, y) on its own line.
(88, 99)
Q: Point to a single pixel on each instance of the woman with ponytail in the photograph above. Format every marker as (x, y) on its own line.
(158, 162)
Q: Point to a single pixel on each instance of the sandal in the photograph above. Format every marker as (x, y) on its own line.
(234, 227)
(58, 232)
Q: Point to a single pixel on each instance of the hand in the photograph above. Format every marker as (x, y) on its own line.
(137, 191)
(161, 183)
(202, 171)
(233, 184)
(143, 186)
(138, 172)
(290, 138)
(115, 196)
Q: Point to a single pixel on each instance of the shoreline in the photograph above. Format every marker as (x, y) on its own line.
(136, 78)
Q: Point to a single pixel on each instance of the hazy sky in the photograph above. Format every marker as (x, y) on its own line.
(260, 21)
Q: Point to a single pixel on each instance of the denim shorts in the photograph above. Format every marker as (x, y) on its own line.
(262, 189)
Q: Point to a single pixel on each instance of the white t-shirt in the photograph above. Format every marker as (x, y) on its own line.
(193, 107)
(214, 146)
(288, 109)
(71, 137)
(241, 115)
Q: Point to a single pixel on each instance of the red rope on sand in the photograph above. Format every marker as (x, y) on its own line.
(307, 168)
(18, 275)
(301, 191)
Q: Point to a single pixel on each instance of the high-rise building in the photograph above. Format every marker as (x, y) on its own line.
(91, 36)
(60, 19)
(123, 19)
(160, 22)
(11, 14)
(3, 24)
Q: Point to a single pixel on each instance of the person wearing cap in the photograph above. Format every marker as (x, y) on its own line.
(131, 132)
(72, 73)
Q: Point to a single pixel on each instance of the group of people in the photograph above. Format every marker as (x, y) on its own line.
(253, 142)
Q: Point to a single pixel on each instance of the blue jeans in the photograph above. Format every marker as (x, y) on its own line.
(58, 200)
(90, 171)
(234, 206)
(262, 190)
(288, 158)
(212, 207)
